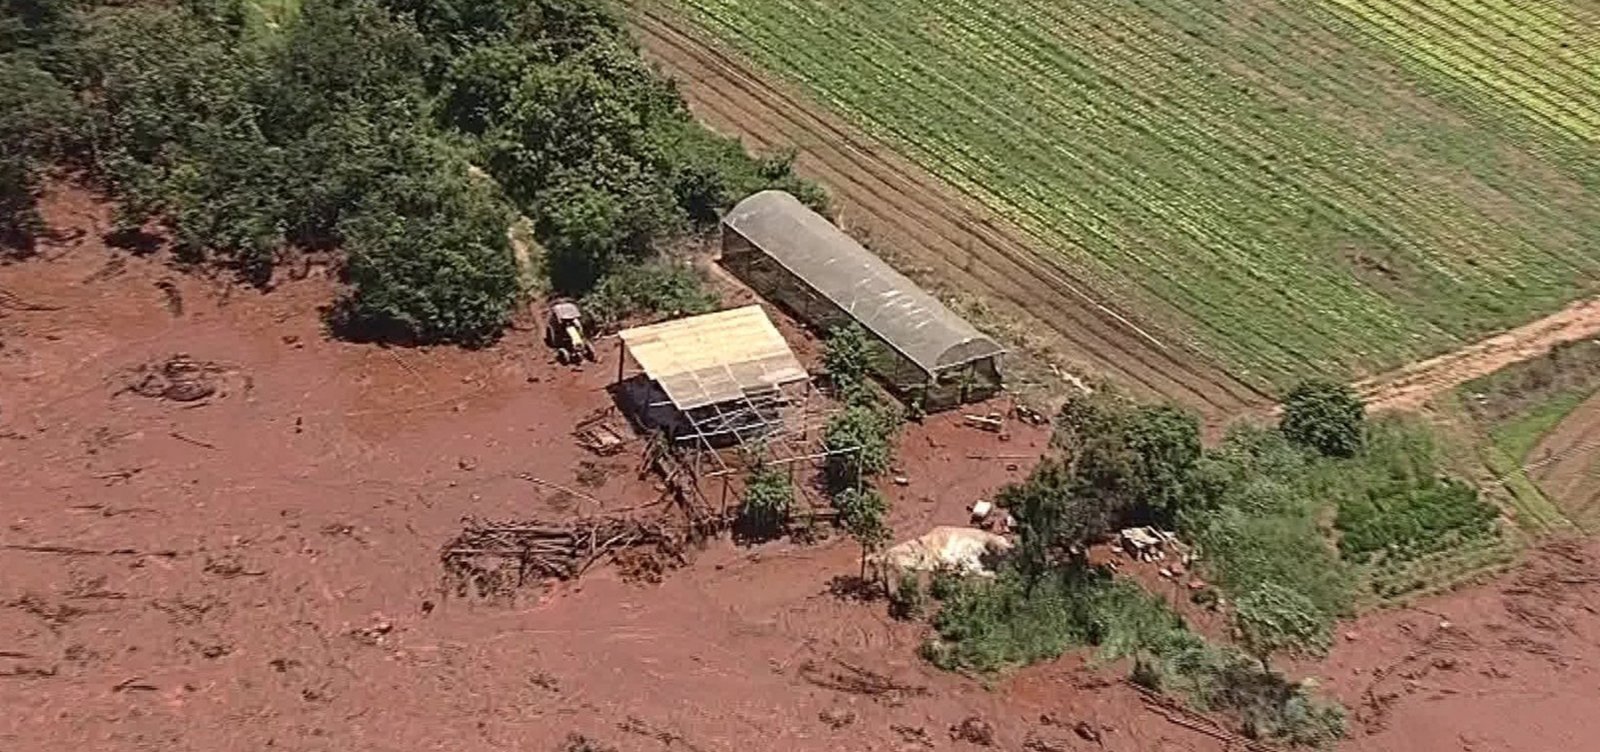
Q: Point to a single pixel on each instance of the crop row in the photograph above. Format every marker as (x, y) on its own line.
(1187, 165)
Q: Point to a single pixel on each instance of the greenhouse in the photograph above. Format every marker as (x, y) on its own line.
(795, 257)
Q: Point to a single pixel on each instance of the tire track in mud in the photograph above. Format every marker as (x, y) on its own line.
(917, 218)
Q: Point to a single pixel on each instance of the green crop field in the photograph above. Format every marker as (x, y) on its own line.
(1334, 186)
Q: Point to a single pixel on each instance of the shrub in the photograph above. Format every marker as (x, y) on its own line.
(908, 599)
(1273, 619)
(863, 513)
(1326, 416)
(1407, 519)
(429, 260)
(858, 440)
(661, 287)
(768, 502)
(847, 358)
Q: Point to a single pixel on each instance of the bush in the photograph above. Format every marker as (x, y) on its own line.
(429, 260)
(862, 513)
(994, 624)
(661, 287)
(847, 360)
(37, 120)
(768, 502)
(1273, 619)
(1404, 520)
(858, 440)
(1325, 416)
(908, 599)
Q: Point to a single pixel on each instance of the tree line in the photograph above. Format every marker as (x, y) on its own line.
(403, 136)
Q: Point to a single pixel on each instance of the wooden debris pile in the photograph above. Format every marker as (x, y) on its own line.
(493, 558)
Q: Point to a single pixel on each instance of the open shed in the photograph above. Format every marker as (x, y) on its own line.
(716, 380)
(800, 260)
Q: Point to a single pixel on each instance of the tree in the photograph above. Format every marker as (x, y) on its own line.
(1140, 459)
(862, 513)
(429, 259)
(1052, 517)
(1325, 416)
(847, 358)
(768, 502)
(858, 444)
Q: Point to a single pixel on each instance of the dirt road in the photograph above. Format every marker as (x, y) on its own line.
(1410, 387)
(931, 230)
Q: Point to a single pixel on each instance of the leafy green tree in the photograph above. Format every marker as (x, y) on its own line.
(863, 514)
(847, 359)
(429, 259)
(768, 502)
(1325, 416)
(859, 445)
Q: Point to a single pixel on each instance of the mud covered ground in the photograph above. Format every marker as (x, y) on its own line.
(239, 550)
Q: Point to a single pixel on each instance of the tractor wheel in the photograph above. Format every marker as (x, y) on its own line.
(562, 356)
(588, 352)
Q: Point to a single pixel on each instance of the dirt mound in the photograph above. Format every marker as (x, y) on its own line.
(178, 378)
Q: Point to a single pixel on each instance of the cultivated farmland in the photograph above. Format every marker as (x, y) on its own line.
(1339, 186)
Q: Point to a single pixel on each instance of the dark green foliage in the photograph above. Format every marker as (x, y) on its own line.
(847, 357)
(1117, 463)
(767, 504)
(1262, 523)
(1139, 457)
(38, 118)
(863, 514)
(1406, 519)
(1326, 416)
(989, 625)
(908, 599)
(246, 131)
(429, 258)
(663, 288)
(859, 440)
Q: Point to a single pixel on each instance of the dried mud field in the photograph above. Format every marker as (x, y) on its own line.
(239, 549)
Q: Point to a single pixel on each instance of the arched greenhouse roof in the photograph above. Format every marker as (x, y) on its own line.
(886, 302)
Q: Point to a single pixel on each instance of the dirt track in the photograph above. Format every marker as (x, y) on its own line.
(929, 229)
(1411, 387)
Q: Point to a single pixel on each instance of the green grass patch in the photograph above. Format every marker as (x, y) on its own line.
(1517, 436)
(994, 625)
(1338, 531)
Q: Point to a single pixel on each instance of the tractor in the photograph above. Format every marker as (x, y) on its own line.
(563, 331)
